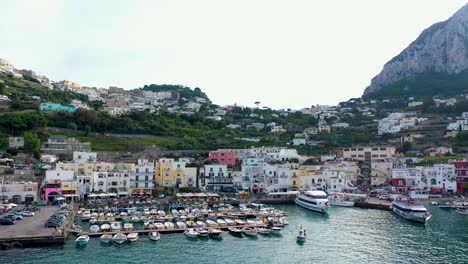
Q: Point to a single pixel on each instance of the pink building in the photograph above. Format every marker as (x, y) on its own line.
(227, 158)
(51, 190)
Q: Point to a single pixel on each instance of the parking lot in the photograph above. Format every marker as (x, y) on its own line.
(30, 226)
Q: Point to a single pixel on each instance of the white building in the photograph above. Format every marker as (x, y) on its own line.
(142, 177)
(111, 181)
(79, 156)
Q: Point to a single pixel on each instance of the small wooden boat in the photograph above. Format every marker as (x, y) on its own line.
(216, 233)
(132, 237)
(161, 213)
(202, 232)
(154, 236)
(235, 231)
(191, 224)
(264, 231)
(82, 240)
(94, 229)
(135, 219)
(119, 238)
(93, 220)
(250, 231)
(106, 239)
(229, 222)
(239, 222)
(191, 233)
(200, 224)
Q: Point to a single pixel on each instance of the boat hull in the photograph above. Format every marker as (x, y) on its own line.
(342, 203)
(320, 209)
(411, 217)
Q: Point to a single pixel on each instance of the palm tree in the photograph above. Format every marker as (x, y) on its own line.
(257, 103)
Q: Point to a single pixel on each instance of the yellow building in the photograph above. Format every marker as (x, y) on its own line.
(174, 174)
(87, 168)
(69, 189)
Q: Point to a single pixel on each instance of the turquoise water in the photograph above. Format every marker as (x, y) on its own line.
(346, 235)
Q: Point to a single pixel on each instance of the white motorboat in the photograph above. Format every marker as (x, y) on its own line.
(175, 212)
(462, 211)
(235, 231)
(169, 225)
(155, 236)
(106, 239)
(264, 231)
(411, 211)
(82, 240)
(338, 199)
(200, 224)
(132, 237)
(302, 236)
(150, 224)
(229, 222)
(191, 223)
(283, 220)
(128, 227)
(191, 233)
(159, 225)
(251, 222)
(182, 212)
(115, 226)
(85, 216)
(93, 220)
(221, 222)
(119, 238)
(181, 224)
(94, 229)
(211, 223)
(313, 200)
(202, 232)
(135, 219)
(216, 233)
(250, 231)
(239, 222)
(161, 213)
(276, 230)
(105, 227)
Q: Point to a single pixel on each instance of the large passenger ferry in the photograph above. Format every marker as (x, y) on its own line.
(313, 200)
(411, 211)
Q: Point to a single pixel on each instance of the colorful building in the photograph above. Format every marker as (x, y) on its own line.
(227, 157)
(57, 107)
(461, 171)
(174, 174)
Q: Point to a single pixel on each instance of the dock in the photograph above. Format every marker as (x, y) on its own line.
(30, 231)
(374, 204)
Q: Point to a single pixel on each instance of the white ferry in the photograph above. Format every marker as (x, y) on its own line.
(411, 211)
(313, 200)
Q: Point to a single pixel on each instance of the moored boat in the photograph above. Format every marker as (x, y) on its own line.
(235, 231)
(216, 233)
(202, 232)
(221, 222)
(159, 226)
(264, 231)
(94, 229)
(277, 230)
(106, 239)
(154, 236)
(250, 231)
(132, 237)
(119, 238)
(338, 199)
(115, 226)
(211, 223)
(169, 225)
(191, 233)
(105, 227)
(462, 211)
(313, 200)
(128, 227)
(181, 225)
(411, 211)
(302, 236)
(82, 240)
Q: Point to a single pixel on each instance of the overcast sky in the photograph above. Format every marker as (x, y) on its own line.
(288, 53)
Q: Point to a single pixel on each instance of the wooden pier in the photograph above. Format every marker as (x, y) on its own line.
(374, 205)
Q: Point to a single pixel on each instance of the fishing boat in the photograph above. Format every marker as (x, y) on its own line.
(338, 199)
(128, 227)
(169, 225)
(202, 232)
(276, 230)
(106, 239)
(264, 231)
(250, 231)
(411, 211)
(191, 233)
(159, 226)
(302, 236)
(216, 233)
(132, 237)
(154, 236)
(150, 224)
(115, 226)
(462, 211)
(211, 223)
(94, 229)
(235, 231)
(221, 222)
(181, 224)
(105, 227)
(119, 238)
(82, 240)
(313, 200)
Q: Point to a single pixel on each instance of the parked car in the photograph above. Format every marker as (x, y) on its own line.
(27, 214)
(14, 216)
(7, 221)
(52, 224)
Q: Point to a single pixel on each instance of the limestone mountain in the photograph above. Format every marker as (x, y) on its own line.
(435, 63)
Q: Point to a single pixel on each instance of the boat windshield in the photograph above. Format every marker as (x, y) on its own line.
(317, 196)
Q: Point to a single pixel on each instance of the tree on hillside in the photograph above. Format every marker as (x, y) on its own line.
(2, 88)
(31, 142)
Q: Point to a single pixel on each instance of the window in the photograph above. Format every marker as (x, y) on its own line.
(146, 177)
(136, 178)
(30, 189)
(136, 185)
